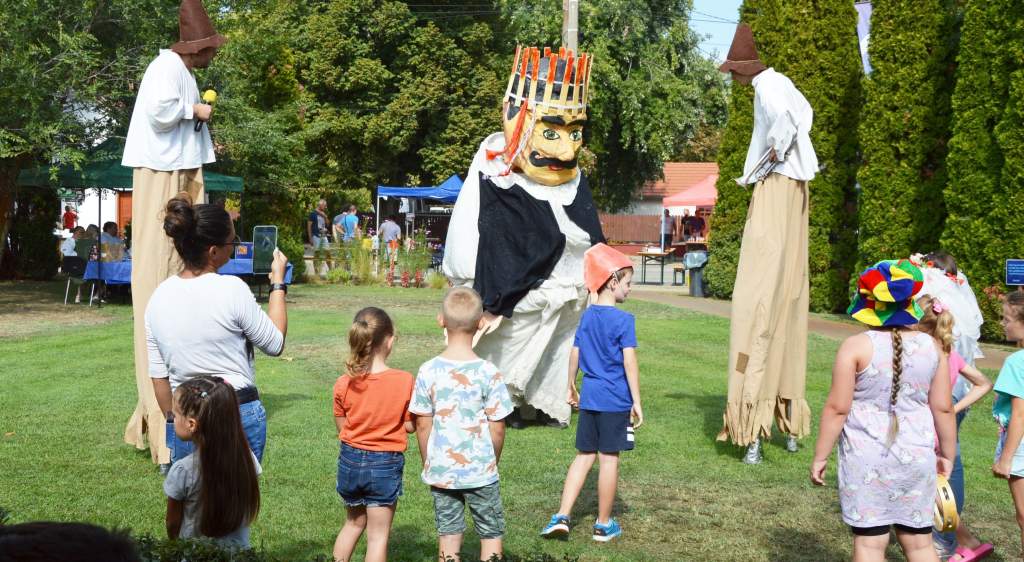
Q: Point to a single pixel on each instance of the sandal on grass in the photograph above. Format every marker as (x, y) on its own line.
(964, 554)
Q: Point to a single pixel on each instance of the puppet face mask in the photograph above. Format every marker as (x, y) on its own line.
(549, 154)
(544, 112)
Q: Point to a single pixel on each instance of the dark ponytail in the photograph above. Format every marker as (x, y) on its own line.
(194, 228)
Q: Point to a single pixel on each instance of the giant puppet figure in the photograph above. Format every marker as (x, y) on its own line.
(768, 329)
(166, 146)
(523, 221)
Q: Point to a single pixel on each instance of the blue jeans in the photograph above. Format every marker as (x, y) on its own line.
(956, 481)
(254, 423)
(370, 478)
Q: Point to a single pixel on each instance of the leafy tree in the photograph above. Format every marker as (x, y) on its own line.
(985, 192)
(814, 47)
(905, 127)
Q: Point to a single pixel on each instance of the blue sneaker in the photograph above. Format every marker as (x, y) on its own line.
(558, 527)
(608, 531)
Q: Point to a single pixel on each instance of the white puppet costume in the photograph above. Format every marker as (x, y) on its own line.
(522, 222)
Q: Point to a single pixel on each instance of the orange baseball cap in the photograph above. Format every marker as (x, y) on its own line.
(599, 263)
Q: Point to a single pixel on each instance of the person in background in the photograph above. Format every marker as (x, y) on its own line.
(1008, 407)
(86, 242)
(70, 218)
(390, 233)
(695, 224)
(338, 226)
(351, 223)
(668, 230)
(111, 244)
(67, 248)
(318, 233)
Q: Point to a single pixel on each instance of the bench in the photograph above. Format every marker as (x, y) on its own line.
(680, 270)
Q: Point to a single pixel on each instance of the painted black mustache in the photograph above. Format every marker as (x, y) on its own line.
(539, 162)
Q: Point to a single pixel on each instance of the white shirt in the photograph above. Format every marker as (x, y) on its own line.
(666, 224)
(201, 326)
(781, 114)
(161, 135)
(67, 247)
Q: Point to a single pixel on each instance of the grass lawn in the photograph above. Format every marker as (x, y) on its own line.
(68, 388)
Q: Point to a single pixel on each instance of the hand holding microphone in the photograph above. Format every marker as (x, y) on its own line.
(203, 111)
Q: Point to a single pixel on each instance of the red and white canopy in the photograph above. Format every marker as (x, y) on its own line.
(702, 194)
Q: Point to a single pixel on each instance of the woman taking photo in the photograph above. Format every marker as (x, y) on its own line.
(201, 323)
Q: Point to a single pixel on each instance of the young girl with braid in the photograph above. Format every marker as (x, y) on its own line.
(371, 412)
(890, 397)
(213, 492)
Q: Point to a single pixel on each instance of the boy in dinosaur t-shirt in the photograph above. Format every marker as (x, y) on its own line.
(460, 404)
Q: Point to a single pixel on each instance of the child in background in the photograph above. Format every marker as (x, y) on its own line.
(460, 404)
(214, 491)
(605, 350)
(371, 411)
(1008, 408)
(938, 322)
(890, 396)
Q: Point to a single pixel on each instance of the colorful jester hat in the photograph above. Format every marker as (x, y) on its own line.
(886, 294)
(544, 110)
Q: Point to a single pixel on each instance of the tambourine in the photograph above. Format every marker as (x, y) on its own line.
(945, 515)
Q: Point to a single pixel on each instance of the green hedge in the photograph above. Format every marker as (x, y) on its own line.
(813, 46)
(985, 193)
(904, 128)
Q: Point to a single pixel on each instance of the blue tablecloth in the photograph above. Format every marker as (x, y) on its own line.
(120, 272)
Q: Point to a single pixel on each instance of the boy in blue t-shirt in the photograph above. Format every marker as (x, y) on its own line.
(605, 350)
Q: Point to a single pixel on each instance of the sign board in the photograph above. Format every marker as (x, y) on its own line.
(1015, 272)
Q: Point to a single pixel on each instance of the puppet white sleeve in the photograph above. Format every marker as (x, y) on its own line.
(460, 247)
(779, 110)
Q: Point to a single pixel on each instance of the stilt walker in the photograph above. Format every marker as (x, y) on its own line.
(167, 145)
(768, 339)
(522, 222)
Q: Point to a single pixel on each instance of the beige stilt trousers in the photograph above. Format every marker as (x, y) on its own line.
(153, 260)
(768, 339)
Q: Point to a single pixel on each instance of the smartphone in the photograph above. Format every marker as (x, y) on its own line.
(264, 241)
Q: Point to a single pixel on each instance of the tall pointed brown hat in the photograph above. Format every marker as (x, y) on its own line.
(743, 58)
(195, 30)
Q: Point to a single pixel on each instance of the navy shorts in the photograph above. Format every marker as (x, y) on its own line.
(605, 432)
(370, 478)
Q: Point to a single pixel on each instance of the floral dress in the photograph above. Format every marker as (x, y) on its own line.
(881, 485)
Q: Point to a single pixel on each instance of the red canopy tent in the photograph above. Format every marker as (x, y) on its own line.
(702, 194)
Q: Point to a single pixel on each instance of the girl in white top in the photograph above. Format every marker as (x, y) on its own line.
(200, 323)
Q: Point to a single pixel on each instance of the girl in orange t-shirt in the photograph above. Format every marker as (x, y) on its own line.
(371, 410)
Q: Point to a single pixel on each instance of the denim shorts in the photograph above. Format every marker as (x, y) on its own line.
(484, 504)
(1017, 465)
(254, 423)
(370, 478)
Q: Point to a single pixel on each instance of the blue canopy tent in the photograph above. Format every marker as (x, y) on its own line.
(448, 192)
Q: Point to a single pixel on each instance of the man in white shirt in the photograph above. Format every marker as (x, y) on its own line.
(167, 145)
(390, 232)
(668, 228)
(768, 343)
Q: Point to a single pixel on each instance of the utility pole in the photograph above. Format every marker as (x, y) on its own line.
(570, 23)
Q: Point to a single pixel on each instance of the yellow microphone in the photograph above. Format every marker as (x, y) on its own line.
(209, 96)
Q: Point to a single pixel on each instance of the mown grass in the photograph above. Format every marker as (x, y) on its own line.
(67, 388)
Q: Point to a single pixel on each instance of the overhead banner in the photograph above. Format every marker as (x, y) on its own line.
(864, 32)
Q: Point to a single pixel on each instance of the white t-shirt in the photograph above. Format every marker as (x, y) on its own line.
(203, 326)
(67, 247)
(390, 231)
(182, 484)
(162, 135)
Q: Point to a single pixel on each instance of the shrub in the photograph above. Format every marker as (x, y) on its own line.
(905, 127)
(31, 241)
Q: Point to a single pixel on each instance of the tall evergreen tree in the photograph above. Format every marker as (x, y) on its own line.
(904, 128)
(816, 47)
(985, 193)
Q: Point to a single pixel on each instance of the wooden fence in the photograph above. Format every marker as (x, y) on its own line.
(630, 228)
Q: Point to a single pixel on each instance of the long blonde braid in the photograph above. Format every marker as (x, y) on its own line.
(897, 374)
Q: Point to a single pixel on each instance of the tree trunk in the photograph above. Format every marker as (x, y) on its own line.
(9, 168)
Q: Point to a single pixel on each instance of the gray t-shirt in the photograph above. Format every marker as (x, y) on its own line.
(182, 484)
(390, 231)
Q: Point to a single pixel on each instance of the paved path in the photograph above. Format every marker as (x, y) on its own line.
(676, 296)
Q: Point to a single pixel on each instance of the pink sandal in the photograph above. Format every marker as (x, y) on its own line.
(968, 555)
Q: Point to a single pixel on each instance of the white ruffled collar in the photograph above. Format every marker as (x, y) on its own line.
(563, 194)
